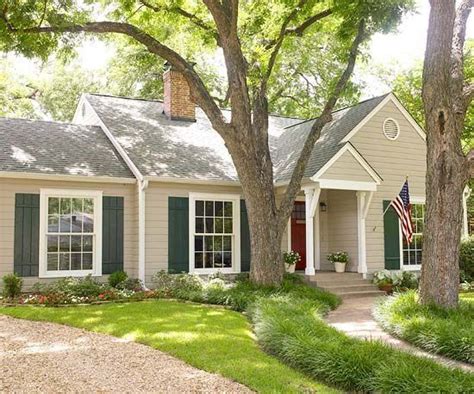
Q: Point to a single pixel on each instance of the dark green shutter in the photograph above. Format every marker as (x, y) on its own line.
(26, 243)
(112, 234)
(391, 237)
(244, 238)
(178, 234)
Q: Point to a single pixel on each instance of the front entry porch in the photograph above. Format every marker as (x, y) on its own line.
(332, 219)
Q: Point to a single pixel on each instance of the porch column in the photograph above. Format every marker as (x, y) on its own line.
(312, 237)
(465, 224)
(363, 203)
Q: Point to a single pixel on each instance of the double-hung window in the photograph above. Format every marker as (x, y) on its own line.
(214, 233)
(70, 233)
(413, 251)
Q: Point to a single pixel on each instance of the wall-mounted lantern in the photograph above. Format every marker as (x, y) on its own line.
(323, 206)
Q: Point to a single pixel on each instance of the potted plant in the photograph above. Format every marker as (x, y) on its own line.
(291, 258)
(339, 259)
(384, 281)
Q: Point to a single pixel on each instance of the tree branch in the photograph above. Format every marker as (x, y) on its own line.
(300, 29)
(191, 17)
(468, 94)
(293, 188)
(204, 99)
(459, 37)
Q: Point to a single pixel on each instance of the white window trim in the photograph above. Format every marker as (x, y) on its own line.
(235, 199)
(403, 267)
(398, 128)
(97, 249)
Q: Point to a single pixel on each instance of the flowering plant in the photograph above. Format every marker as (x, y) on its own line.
(338, 257)
(291, 257)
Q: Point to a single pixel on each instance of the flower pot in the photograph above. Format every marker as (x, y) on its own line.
(290, 268)
(388, 288)
(340, 267)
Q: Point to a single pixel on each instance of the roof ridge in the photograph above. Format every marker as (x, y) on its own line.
(340, 109)
(124, 97)
(57, 122)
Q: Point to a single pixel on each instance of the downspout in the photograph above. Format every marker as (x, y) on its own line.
(465, 224)
(142, 186)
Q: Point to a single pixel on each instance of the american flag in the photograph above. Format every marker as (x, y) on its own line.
(402, 206)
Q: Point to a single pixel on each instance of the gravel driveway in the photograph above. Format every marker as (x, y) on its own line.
(47, 357)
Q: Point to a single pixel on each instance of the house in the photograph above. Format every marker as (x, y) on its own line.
(145, 185)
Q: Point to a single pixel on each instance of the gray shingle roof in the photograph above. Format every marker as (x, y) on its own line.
(291, 142)
(193, 150)
(171, 148)
(58, 148)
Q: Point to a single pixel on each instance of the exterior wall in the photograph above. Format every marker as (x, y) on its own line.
(341, 227)
(347, 168)
(8, 189)
(393, 160)
(324, 220)
(156, 228)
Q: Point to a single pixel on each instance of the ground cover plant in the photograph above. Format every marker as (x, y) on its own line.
(449, 332)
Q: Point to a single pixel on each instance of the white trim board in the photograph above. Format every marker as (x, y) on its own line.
(390, 97)
(68, 178)
(357, 156)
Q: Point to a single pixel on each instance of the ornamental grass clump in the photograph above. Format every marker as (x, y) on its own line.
(449, 332)
(293, 330)
(12, 285)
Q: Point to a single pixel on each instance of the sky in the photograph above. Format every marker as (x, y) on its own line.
(399, 50)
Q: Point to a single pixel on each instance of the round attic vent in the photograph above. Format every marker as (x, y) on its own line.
(391, 129)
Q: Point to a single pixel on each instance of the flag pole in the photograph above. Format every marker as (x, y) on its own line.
(386, 209)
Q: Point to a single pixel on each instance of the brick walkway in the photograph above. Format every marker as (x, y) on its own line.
(354, 318)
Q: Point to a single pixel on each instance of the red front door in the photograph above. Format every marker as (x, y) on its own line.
(298, 233)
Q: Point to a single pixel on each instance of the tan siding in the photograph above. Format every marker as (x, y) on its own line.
(156, 254)
(393, 160)
(324, 219)
(347, 168)
(8, 188)
(342, 227)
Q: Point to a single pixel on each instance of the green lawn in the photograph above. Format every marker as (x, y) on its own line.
(438, 330)
(210, 338)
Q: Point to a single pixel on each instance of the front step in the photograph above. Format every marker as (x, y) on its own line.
(345, 285)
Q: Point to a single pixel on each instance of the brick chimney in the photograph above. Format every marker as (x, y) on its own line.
(178, 102)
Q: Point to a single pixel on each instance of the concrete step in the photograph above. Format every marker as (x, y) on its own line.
(360, 294)
(326, 276)
(343, 282)
(333, 288)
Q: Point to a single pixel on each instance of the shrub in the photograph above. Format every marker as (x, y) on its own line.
(116, 277)
(466, 260)
(132, 284)
(291, 328)
(445, 331)
(12, 285)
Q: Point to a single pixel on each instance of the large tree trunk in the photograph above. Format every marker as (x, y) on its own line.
(447, 173)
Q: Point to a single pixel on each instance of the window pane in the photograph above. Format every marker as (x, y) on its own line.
(209, 243)
(53, 223)
(218, 260)
(412, 257)
(405, 257)
(76, 241)
(76, 215)
(87, 243)
(52, 261)
(228, 209)
(64, 243)
(228, 226)
(87, 261)
(419, 256)
(53, 242)
(209, 225)
(217, 243)
(65, 218)
(199, 225)
(199, 208)
(198, 260)
(219, 207)
(219, 225)
(198, 243)
(209, 208)
(208, 260)
(228, 243)
(75, 261)
(64, 261)
(227, 259)
(419, 225)
(89, 206)
(88, 220)
(53, 205)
